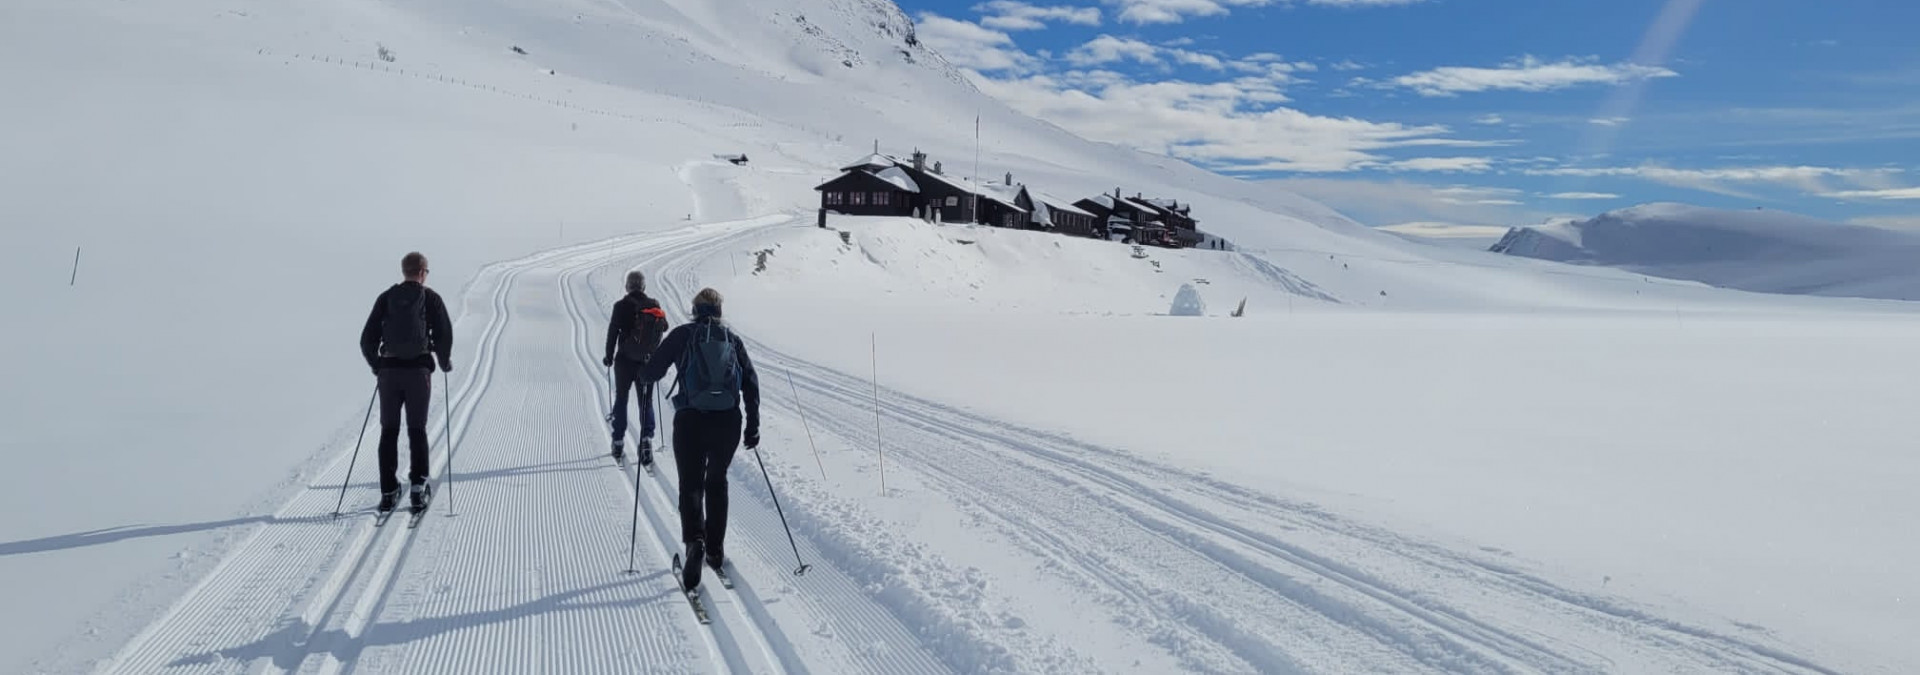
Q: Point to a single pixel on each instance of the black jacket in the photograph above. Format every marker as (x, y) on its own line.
(439, 332)
(674, 348)
(622, 322)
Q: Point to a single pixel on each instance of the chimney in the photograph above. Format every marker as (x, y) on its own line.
(919, 160)
(936, 168)
(1009, 177)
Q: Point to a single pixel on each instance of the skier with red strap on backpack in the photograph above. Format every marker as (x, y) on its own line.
(633, 332)
(715, 381)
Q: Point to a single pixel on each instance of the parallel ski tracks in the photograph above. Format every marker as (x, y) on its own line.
(870, 638)
(238, 616)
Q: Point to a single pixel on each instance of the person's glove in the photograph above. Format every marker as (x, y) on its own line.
(608, 361)
(375, 369)
(445, 365)
(753, 437)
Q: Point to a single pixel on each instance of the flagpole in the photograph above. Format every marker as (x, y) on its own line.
(976, 167)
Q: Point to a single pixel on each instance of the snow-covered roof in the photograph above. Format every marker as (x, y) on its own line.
(875, 160)
(1056, 203)
(899, 178)
(1005, 195)
(1107, 200)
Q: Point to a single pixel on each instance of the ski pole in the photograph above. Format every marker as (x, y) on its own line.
(356, 450)
(802, 569)
(633, 526)
(446, 403)
(803, 424)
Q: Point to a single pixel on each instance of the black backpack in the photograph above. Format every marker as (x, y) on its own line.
(643, 336)
(404, 334)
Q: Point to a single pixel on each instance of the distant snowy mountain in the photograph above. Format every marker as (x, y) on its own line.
(1763, 251)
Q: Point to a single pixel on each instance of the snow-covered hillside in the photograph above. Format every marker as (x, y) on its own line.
(1405, 458)
(1762, 251)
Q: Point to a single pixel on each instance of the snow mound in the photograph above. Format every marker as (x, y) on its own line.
(1763, 251)
(1188, 303)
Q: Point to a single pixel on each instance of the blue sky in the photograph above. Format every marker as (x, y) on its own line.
(1481, 112)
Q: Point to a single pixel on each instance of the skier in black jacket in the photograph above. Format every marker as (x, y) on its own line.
(406, 332)
(634, 330)
(715, 378)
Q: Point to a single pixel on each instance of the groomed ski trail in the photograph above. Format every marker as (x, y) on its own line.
(1224, 579)
(847, 631)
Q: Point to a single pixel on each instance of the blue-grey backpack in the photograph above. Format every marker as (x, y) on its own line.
(709, 371)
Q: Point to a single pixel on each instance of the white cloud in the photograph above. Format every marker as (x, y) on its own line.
(1527, 74)
(969, 45)
(1014, 15)
(1230, 126)
(1347, 65)
(1436, 230)
(1443, 164)
(1489, 120)
(1609, 121)
(1583, 195)
(1886, 194)
(1888, 222)
(1176, 11)
(1107, 49)
(1395, 202)
(1817, 180)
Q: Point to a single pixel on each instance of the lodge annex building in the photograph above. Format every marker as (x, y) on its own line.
(882, 185)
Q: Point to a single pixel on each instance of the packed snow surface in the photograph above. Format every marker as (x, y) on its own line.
(994, 450)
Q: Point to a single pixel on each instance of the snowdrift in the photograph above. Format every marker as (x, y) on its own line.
(1762, 251)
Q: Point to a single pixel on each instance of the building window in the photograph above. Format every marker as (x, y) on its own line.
(835, 199)
(880, 198)
(857, 198)
(953, 201)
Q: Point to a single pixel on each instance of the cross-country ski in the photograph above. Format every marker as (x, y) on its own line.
(1083, 336)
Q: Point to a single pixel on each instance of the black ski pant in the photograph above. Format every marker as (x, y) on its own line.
(703, 447)
(626, 378)
(407, 389)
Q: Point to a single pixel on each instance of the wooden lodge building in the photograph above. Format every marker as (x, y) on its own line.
(883, 185)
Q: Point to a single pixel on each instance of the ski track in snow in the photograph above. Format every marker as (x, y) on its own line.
(528, 576)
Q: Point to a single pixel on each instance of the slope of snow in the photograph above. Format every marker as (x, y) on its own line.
(1768, 252)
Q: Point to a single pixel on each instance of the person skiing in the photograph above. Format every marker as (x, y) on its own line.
(406, 332)
(715, 380)
(634, 331)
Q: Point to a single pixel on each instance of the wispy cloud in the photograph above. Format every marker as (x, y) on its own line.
(1490, 120)
(1176, 11)
(1440, 164)
(1526, 74)
(1582, 195)
(1014, 15)
(1609, 121)
(1816, 180)
(1398, 201)
(1891, 194)
(1232, 126)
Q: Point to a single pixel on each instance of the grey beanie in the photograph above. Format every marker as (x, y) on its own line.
(636, 282)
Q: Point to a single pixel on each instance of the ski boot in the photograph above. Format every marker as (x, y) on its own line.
(620, 451)
(422, 494)
(646, 451)
(389, 500)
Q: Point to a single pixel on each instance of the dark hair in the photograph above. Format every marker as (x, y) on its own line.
(413, 264)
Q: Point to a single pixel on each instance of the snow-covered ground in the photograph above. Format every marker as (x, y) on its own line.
(1404, 457)
(1763, 251)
